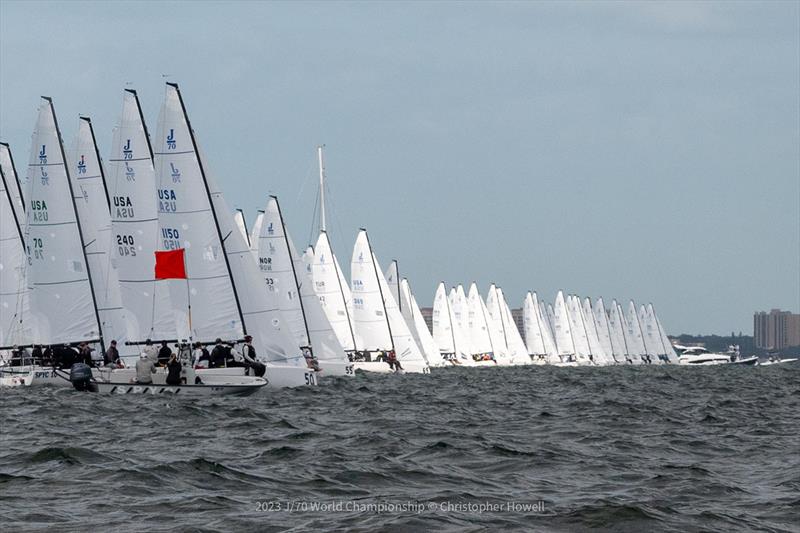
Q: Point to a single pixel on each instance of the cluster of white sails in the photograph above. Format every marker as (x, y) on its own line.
(78, 238)
(570, 332)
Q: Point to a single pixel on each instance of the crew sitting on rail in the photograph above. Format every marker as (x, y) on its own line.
(311, 361)
(251, 362)
(201, 357)
(174, 368)
(111, 358)
(164, 353)
(218, 355)
(394, 362)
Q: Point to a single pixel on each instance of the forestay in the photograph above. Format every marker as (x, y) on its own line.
(12, 184)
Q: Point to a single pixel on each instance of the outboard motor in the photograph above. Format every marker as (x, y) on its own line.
(80, 375)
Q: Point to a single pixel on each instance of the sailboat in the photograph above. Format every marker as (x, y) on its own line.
(616, 325)
(538, 338)
(401, 292)
(480, 334)
(222, 295)
(604, 331)
(285, 275)
(517, 351)
(379, 327)
(633, 335)
(562, 330)
(669, 350)
(419, 329)
(62, 300)
(453, 347)
(599, 356)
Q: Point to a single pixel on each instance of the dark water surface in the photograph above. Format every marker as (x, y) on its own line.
(636, 449)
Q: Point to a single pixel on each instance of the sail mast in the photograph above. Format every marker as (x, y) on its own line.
(294, 272)
(77, 222)
(99, 160)
(321, 188)
(211, 205)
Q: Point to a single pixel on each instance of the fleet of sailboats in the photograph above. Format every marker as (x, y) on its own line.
(82, 270)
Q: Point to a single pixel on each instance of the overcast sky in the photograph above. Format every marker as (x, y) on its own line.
(631, 150)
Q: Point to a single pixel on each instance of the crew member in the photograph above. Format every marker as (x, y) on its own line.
(144, 369)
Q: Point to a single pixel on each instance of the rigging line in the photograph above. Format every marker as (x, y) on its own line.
(313, 220)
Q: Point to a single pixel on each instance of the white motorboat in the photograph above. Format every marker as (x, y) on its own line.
(775, 360)
(697, 355)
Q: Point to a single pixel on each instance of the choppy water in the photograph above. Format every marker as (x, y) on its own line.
(635, 449)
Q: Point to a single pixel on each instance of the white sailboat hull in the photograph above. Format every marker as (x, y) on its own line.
(33, 375)
(337, 368)
(383, 368)
(244, 386)
(280, 377)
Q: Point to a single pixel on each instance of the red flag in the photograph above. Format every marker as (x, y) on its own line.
(170, 265)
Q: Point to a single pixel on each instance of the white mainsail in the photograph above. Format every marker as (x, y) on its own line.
(185, 210)
(92, 203)
(330, 288)
(15, 323)
(650, 336)
(546, 323)
(61, 297)
(562, 329)
(669, 349)
(603, 330)
(419, 329)
(495, 323)
(324, 341)
(135, 231)
(278, 271)
(633, 335)
(448, 336)
(393, 281)
(241, 224)
(654, 335)
(534, 336)
(579, 335)
(477, 327)
(403, 341)
(517, 352)
(12, 184)
(255, 231)
(616, 326)
(370, 324)
(598, 352)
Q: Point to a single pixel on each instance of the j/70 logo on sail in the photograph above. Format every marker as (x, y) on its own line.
(127, 153)
(82, 165)
(176, 174)
(171, 142)
(43, 155)
(45, 177)
(130, 174)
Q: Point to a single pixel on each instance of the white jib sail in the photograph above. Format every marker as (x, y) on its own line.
(92, 203)
(403, 341)
(633, 335)
(442, 323)
(330, 289)
(534, 338)
(478, 329)
(650, 339)
(61, 295)
(598, 353)
(579, 335)
(562, 329)
(603, 330)
(241, 224)
(419, 329)
(393, 281)
(255, 231)
(324, 341)
(277, 268)
(617, 326)
(516, 346)
(496, 323)
(546, 324)
(135, 232)
(670, 351)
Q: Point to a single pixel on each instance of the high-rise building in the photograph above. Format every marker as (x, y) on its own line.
(776, 330)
